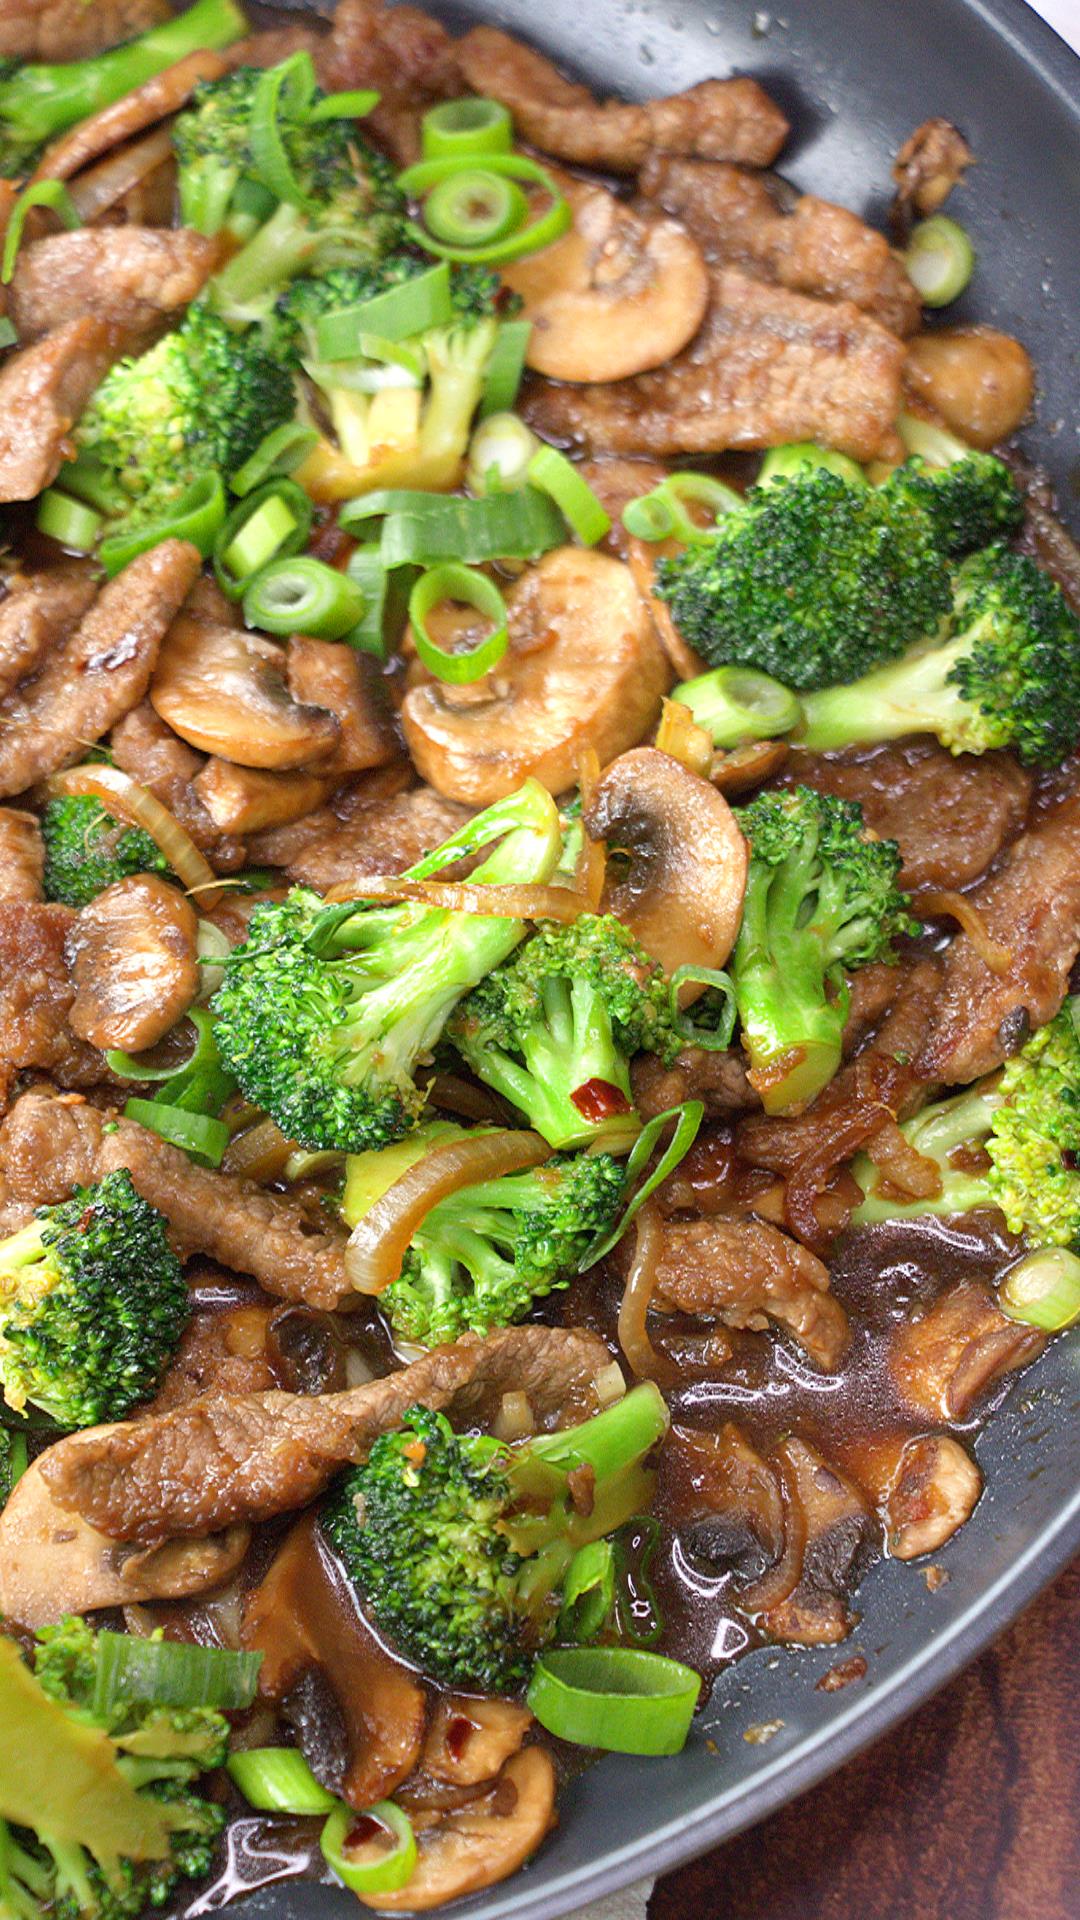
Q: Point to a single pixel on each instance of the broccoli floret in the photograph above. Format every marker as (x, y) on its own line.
(821, 900)
(1026, 1123)
(458, 1545)
(99, 1814)
(407, 420)
(553, 1030)
(326, 1012)
(971, 502)
(814, 580)
(1008, 675)
(203, 397)
(92, 1305)
(87, 850)
(12, 1462)
(39, 102)
(481, 1258)
(212, 143)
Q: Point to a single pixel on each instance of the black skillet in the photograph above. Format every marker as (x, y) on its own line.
(856, 76)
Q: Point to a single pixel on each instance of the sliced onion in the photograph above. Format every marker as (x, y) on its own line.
(902, 1165)
(591, 869)
(643, 1359)
(378, 1243)
(451, 1093)
(680, 736)
(497, 902)
(780, 1581)
(101, 186)
(944, 902)
(259, 1154)
(127, 800)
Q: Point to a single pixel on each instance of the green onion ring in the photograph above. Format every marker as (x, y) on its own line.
(197, 1133)
(272, 523)
(283, 450)
(588, 1594)
(661, 514)
(540, 232)
(710, 1039)
(736, 704)
(452, 581)
(354, 104)
(44, 193)
(365, 1868)
(283, 92)
(278, 1780)
(557, 476)
(621, 1699)
(75, 525)
(303, 595)
(197, 515)
(687, 1117)
(940, 260)
(458, 129)
(170, 1673)
(474, 207)
(1043, 1289)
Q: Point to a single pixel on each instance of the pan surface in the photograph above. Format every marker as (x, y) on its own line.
(856, 76)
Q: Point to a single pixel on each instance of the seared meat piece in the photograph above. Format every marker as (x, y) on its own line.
(719, 119)
(838, 1535)
(390, 836)
(273, 45)
(253, 799)
(768, 366)
(403, 53)
(143, 107)
(37, 616)
(224, 1350)
(928, 166)
(951, 814)
(36, 992)
(100, 672)
(132, 954)
(143, 746)
(728, 1500)
(47, 1147)
(1032, 907)
(745, 1273)
(943, 1361)
(197, 1469)
(719, 1079)
(812, 247)
(71, 30)
(932, 1490)
(321, 673)
(43, 391)
(133, 278)
(22, 855)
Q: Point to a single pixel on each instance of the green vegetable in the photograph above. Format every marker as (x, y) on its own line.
(940, 260)
(554, 474)
(13, 1462)
(198, 514)
(427, 178)
(972, 500)
(169, 1673)
(473, 207)
(71, 523)
(1006, 675)
(553, 1029)
(87, 850)
(799, 457)
(736, 704)
(499, 454)
(303, 595)
(362, 1860)
(620, 1699)
(1043, 1289)
(212, 142)
(92, 1305)
(451, 582)
(326, 1011)
(270, 523)
(43, 193)
(821, 900)
(278, 1780)
(1027, 1123)
(813, 580)
(458, 1545)
(469, 126)
(663, 513)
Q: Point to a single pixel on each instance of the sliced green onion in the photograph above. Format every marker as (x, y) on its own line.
(805, 456)
(197, 515)
(282, 94)
(637, 1610)
(89, 480)
(1043, 1289)
(458, 129)
(621, 1699)
(17, 1461)
(8, 335)
(588, 1595)
(539, 232)
(475, 207)
(504, 526)
(354, 1846)
(687, 1118)
(303, 595)
(506, 364)
(661, 514)
(932, 442)
(74, 525)
(715, 1038)
(499, 454)
(199, 1084)
(278, 1780)
(736, 704)
(453, 582)
(940, 260)
(413, 307)
(353, 104)
(281, 452)
(197, 1133)
(270, 524)
(170, 1673)
(554, 474)
(44, 193)
(386, 601)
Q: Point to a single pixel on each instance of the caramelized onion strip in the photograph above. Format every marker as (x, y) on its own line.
(259, 1154)
(127, 800)
(902, 1165)
(956, 906)
(780, 1581)
(100, 187)
(591, 865)
(494, 902)
(643, 1359)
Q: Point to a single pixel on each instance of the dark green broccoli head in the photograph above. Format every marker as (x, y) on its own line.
(92, 1305)
(87, 850)
(475, 293)
(815, 580)
(212, 143)
(971, 502)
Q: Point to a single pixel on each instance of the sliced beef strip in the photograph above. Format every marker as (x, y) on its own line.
(768, 366)
(951, 814)
(22, 855)
(321, 673)
(36, 994)
(262, 1454)
(48, 1146)
(143, 746)
(746, 1274)
(35, 618)
(403, 53)
(815, 247)
(944, 1360)
(143, 107)
(1031, 906)
(133, 278)
(72, 30)
(393, 835)
(839, 1533)
(43, 391)
(272, 45)
(719, 119)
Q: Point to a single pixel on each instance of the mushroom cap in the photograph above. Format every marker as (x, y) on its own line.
(479, 1844)
(619, 293)
(584, 668)
(133, 957)
(223, 691)
(934, 1490)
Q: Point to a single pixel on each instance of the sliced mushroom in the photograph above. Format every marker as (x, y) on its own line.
(248, 799)
(584, 668)
(480, 1844)
(22, 855)
(619, 293)
(471, 1739)
(52, 1563)
(323, 673)
(836, 1518)
(727, 1497)
(224, 691)
(132, 954)
(943, 1361)
(933, 1491)
(359, 1715)
(980, 381)
(683, 893)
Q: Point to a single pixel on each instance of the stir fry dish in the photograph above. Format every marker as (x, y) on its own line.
(539, 921)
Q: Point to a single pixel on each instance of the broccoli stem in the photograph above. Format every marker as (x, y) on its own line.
(280, 249)
(570, 1046)
(913, 695)
(937, 1131)
(39, 101)
(610, 1441)
(206, 189)
(791, 1031)
(456, 361)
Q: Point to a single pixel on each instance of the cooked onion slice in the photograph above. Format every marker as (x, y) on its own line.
(943, 902)
(781, 1579)
(513, 903)
(100, 187)
(127, 800)
(378, 1243)
(634, 1340)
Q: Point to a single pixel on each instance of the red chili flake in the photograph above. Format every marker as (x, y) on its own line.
(598, 1100)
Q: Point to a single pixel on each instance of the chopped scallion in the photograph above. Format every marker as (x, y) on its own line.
(621, 1699)
(662, 513)
(170, 1673)
(459, 585)
(283, 94)
(940, 260)
(474, 208)
(197, 516)
(715, 1037)
(499, 454)
(43, 193)
(505, 366)
(458, 129)
(737, 704)
(71, 523)
(546, 226)
(554, 474)
(283, 450)
(1043, 1289)
(196, 1133)
(588, 1595)
(270, 524)
(504, 526)
(687, 1118)
(410, 308)
(278, 1780)
(354, 104)
(371, 1852)
(303, 595)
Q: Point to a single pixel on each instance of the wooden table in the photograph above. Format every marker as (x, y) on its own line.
(969, 1811)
